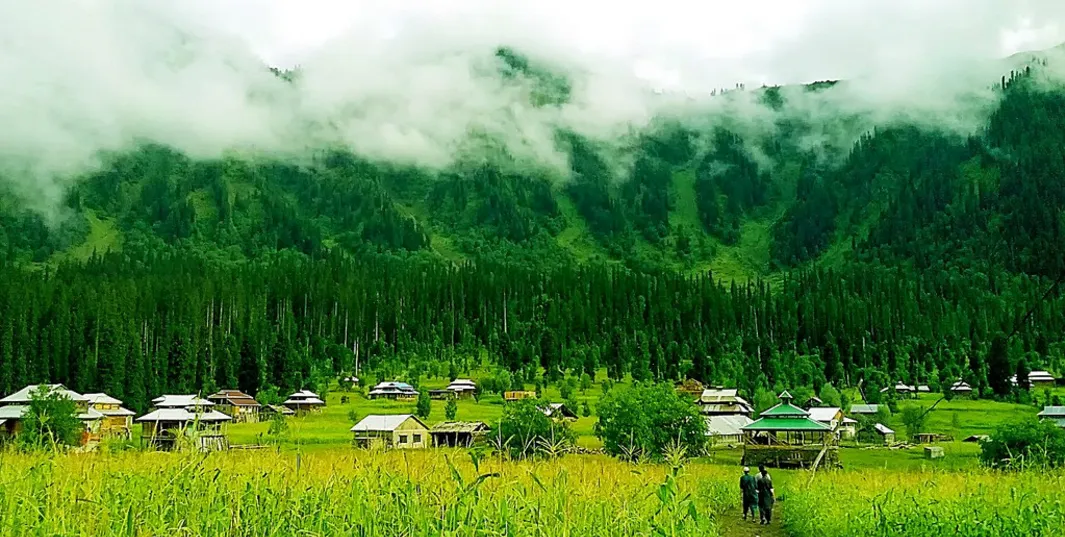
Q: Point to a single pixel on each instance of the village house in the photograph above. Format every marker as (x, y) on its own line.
(11, 420)
(884, 435)
(848, 429)
(1055, 414)
(813, 402)
(399, 391)
(558, 411)
(402, 431)
(304, 401)
(203, 429)
(236, 404)
(459, 389)
(1037, 380)
(458, 433)
(830, 416)
(864, 410)
(116, 421)
(91, 419)
(901, 389)
(726, 430)
(961, 388)
(269, 411)
(786, 435)
(518, 395)
(181, 401)
(724, 402)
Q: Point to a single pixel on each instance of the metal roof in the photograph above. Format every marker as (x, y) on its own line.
(13, 412)
(883, 429)
(307, 401)
(90, 415)
(824, 414)
(460, 427)
(785, 410)
(726, 425)
(304, 394)
(183, 415)
(101, 399)
(1052, 411)
(961, 386)
(24, 395)
(378, 422)
(849, 421)
(865, 409)
(786, 424)
(180, 401)
(551, 409)
(718, 395)
(235, 398)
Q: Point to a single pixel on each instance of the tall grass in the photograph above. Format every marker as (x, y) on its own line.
(354, 493)
(964, 504)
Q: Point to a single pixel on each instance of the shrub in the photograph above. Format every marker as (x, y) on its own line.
(525, 430)
(451, 409)
(648, 418)
(1028, 444)
(424, 405)
(51, 420)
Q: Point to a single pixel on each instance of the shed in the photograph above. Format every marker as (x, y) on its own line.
(886, 434)
(163, 427)
(458, 433)
(933, 452)
(864, 410)
(558, 411)
(402, 431)
(722, 430)
(236, 404)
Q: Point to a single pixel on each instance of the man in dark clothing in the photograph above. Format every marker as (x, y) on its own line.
(764, 484)
(749, 490)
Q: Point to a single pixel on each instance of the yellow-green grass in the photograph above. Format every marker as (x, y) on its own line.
(903, 504)
(365, 493)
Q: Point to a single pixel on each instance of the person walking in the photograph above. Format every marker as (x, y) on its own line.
(764, 484)
(749, 490)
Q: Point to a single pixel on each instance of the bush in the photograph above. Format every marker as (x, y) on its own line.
(1029, 444)
(525, 430)
(451, 409)
(424, 406)
(914, 418)
(51, 420)
(644, 420)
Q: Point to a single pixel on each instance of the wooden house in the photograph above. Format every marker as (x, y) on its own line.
(236, 404)
(724, 402)
(785, 435)
(517, 395)
(304, 401)
(884, 434)
(830, 416)
(397, 391)
(462, 388)
(402, 431)
(848, 429)
(194, 427)
(268, 411)
(90, 418)
(116, 421)
(458, 433)
(961, 388)
(11, 420)
(558, 411)
(726, 430)
(1037, 380)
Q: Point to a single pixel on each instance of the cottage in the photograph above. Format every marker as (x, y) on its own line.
(399, 391)
(91, 419)
(402, 431)
(726, 430)
(236, 404)
(458, 433)
(724, 402)
(304, 401)
(269, 411)
(116, 421)
(1037, 380)
(886, 435)
(1055, 414)
(830, 416)
(558, 411)
(848, 429)
(462, 388)
(193, 402)
(864, 410)
(785, 435)
(11, 420)
(518, 395)
(813, 402)
(901, 389)
(204, 429)
(961, 388)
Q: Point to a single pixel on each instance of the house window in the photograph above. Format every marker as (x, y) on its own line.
(402, 439)
(417, 439)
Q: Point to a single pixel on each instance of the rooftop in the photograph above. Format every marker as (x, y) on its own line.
(101, 399)
(460, 427)
(184, 415)
(180, 401)
(786, 424)
(726, 425)
(824, 414)
(235, 398)
(883, 429)
(24, 395)
(865, 409)
(1052, 412)
(378, 422)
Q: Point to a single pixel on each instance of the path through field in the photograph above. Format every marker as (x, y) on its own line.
(733, 525)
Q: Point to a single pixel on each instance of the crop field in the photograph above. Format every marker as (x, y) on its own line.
(918, 504)
(354, 493)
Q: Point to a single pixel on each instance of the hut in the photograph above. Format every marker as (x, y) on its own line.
(961, 388)
(726, 430)
(402, 431)
(398, 391)
(813, 402)
(458, 433)
(558, 411)
(236, 404)
(116, 421)
(785, 435)
(1055, 414)
(724, 402)
(304, 401)
(164, 428)
(462, 388)
(885, 435)
(518, 394)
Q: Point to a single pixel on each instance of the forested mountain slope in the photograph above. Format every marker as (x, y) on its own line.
(905, 256)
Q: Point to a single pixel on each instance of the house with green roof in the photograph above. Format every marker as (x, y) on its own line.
(787, 435)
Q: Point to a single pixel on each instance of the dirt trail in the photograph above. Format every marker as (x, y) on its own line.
(733, 525)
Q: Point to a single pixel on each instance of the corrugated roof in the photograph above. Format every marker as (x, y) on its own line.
(849, 421)
(117, 412)
(181, 414)
(304, 394)
(785, 410)
(460, 427)
(883, 429)
(101, 399)
(284, 410)
(1052, 411)
(786, 424)
(235, 398)
(865, 409)
(381, 422)
(24, 395)
(551, 409)
(961, 386)
(726, 425)
(824, 414)
(13, 412)
(718, 395)
(307, 401)
(180, 401)
(90, 415)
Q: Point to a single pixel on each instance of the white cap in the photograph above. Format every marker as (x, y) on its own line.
(746, 470)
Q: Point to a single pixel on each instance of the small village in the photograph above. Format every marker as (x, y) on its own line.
(790, 434)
